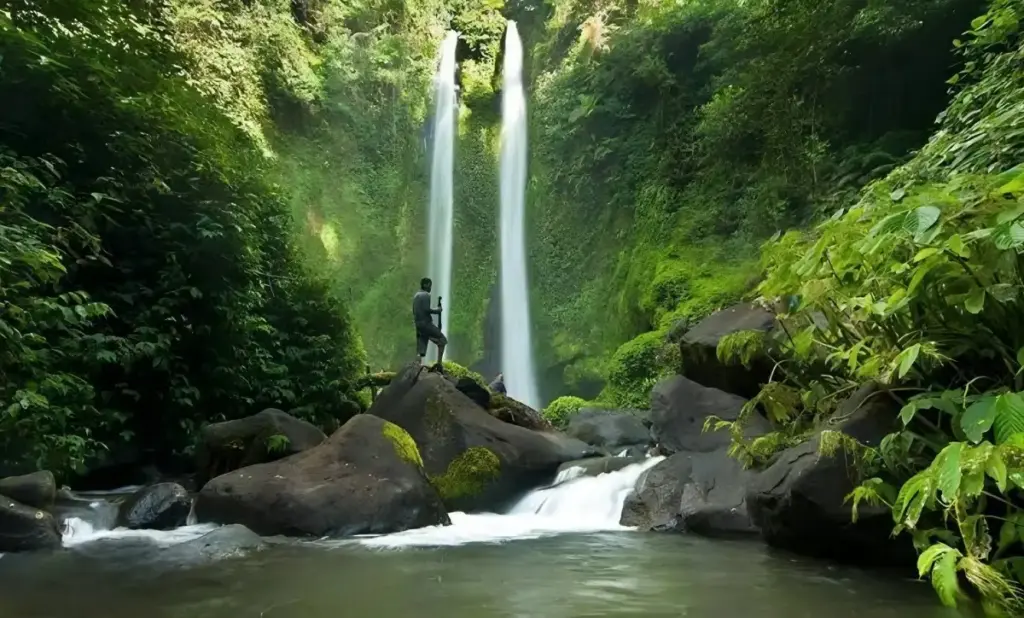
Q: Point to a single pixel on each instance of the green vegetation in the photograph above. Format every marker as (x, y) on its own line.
(558, 411)
(404, 444)
(214, 206)
(916, 286)
(456, 371)
(468, 474)
(149, 281)
(670, 138)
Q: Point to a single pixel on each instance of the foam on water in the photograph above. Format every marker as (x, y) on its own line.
(78, 531)
(576, 504)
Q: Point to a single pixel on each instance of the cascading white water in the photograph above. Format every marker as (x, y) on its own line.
(440, 215)
(579, 504)
(516, 341)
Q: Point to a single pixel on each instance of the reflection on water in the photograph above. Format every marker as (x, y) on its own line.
(573, 575)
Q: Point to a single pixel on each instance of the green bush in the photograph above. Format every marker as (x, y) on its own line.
(152, 284)
(559, 410)
(636, 367)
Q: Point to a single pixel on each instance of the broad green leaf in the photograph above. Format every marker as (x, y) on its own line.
(925, 253)
(928, 557)
(1012, 214)
(975, 301)
(908, 412)
(944, 578)
(1003, 292)
(1015, 186)
(950, 475)
(995, 467)
(1009, 416)
(907, 358)
(923, 218)
(1008, 236)
(919, 274)
(1012, 530)
(898, 194)
(978, 418)
(956, 245)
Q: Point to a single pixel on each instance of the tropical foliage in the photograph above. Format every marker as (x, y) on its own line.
(149, 282)
(916, 287)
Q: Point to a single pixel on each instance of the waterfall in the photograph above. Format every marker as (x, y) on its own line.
(576, 504)
(516, 346)
(439, 236)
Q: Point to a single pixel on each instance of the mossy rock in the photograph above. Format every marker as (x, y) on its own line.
(477, 462)
(468, 475)
(560, 410)
(404, 445)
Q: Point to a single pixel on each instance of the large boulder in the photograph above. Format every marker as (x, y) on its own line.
(474, 390)
(158, 555)
(367, 478)
(612, 430)
(515, 412)
(163, 506)
(476, 461)
(260, 438)
(37, 489)
(679, 409)
(25, 528)
(703, 493)
(798, 501)
(699, 350)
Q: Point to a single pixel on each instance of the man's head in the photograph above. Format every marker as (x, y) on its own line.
(425, 284)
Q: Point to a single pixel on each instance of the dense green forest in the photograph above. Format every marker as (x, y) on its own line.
(214, 206)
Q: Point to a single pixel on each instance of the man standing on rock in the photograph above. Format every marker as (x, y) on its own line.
(423, 317)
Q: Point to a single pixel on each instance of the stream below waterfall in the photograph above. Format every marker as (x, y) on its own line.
(558, 553)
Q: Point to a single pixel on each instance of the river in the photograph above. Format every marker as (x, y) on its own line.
(558, 554)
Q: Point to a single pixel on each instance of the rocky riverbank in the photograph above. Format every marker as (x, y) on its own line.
(430, 445)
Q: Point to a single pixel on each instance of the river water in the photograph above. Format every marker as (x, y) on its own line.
(558, 554)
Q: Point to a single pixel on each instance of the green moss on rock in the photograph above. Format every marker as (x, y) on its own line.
(455, 370)
(559, 410)
(404, 444)
(468, 474)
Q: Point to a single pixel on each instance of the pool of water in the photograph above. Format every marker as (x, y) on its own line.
(577, 575)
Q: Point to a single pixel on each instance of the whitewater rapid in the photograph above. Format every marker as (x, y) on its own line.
(573, 503)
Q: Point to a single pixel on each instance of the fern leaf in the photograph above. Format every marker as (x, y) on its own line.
(1009, 416)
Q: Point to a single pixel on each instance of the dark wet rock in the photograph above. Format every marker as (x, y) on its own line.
(703, 493)
(260, 438)
(698, 349)
(610, 429)
(594, 466)
(163, 506)
(477, 461)
(798, 501)
(679, 409)
(515, 412)
(36, 490)
(365, 479)
(475, 391)
(131, 552)
(25, 528)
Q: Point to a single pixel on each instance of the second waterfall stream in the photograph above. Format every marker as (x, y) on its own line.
(516, 340)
